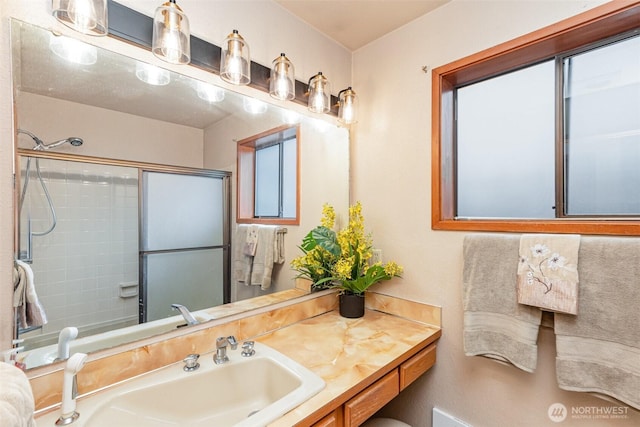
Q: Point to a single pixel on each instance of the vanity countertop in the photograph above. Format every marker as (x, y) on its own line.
(349, 354)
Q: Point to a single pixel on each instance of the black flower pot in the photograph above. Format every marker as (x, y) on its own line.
(352, 305)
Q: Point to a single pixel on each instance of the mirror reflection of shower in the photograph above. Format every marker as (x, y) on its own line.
(26, 255)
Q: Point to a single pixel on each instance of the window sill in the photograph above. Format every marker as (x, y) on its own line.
(602, 227)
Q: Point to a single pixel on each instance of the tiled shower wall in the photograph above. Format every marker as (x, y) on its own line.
(80, 266)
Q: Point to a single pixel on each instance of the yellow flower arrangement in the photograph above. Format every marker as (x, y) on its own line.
(341, 260)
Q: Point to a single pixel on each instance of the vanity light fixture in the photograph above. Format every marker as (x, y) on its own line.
(86, 16)
(73, 50)
(319, 94)
(235, 63)
(171, 37)
(152, 75)
(282, 83)
(347, 106)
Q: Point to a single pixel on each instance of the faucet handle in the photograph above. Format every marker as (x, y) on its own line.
(221, 342)
(191, 362)
(233, 342)
(247, 349)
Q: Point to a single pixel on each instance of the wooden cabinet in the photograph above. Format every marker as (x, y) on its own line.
(357, 409)
(373, 398)
(334, 419)
(416, 366)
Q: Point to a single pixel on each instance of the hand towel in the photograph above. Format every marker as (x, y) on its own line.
(19, 296)
(548, 272)
(264, 258)
(242, 263)
(278, 248)
(495, 325)
(16, 397)
(31, 308)
(599, 349)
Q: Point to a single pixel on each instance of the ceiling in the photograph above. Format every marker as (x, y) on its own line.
(355, 23)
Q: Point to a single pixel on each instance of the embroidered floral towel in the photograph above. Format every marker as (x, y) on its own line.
(548, 272)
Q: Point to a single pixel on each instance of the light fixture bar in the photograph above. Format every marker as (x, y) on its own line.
(136, 28)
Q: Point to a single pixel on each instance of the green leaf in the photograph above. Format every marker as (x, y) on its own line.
(326, 239)
(308, 242)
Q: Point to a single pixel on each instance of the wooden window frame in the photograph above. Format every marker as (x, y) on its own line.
(589, 27)
(245, 180)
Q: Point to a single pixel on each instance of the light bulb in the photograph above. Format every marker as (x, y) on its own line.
(234, 61)
(282, 80)
(234, 69)
(171, 36)
(83, 15)
(171, 45)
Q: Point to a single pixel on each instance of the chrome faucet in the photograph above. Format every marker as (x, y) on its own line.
(185, 313)
(221, 349)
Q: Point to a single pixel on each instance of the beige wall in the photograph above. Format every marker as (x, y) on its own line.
(267, 27)
(108, 133)
(391, 169)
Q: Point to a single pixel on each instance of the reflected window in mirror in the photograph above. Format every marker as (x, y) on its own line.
(268, 177)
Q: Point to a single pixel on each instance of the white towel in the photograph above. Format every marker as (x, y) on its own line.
(30, 312)
(264, 258)
(495, 325)
(16, 398)
(599, 349)
(242, 263)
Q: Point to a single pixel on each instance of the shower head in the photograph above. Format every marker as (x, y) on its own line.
(75, 141)
(41, 146)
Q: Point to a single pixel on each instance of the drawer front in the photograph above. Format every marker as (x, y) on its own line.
(416, 366)
(370, 400)
(334, 419)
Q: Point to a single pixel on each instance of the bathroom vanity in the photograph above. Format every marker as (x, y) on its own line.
(364, 362)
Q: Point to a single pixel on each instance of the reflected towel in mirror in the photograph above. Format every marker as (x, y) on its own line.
(25, 300)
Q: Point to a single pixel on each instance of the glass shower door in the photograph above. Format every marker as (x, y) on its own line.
(184, 244)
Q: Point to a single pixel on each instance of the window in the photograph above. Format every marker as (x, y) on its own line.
(542, 133)
(267, 177)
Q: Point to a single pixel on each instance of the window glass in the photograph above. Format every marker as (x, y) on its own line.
(602, 130)
(268, 181)
(268, 177)
(505, 145)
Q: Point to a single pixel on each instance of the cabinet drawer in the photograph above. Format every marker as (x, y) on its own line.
(370, 400)
(416, 366)
(334, 419)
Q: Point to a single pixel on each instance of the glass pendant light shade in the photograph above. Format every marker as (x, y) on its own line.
(235, 63)
(86, 16)
(171, 36)
(319, 94)
(282, 83)
(347, 106)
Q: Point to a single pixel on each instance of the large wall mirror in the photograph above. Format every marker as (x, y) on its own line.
(92, 122)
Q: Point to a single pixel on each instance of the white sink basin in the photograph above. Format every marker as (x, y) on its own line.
(246, 391)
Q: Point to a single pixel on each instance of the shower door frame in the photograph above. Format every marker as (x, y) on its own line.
(226, 233)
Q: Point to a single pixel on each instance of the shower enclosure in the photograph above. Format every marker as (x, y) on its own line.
(130, 240)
